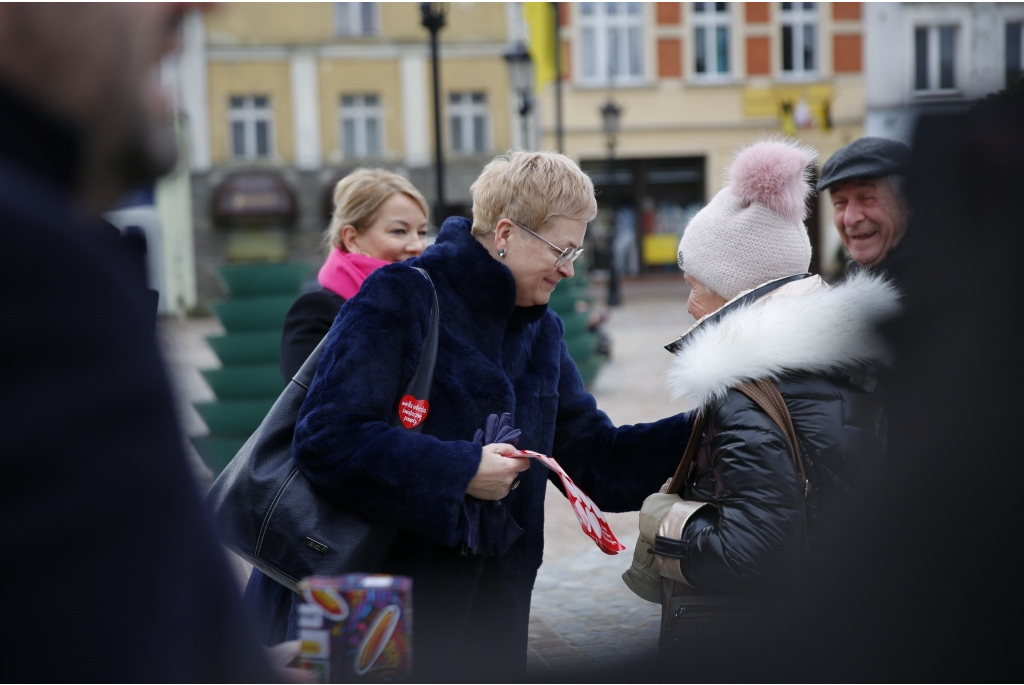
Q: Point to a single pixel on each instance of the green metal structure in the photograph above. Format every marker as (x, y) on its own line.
(572, 302)
(249, 380)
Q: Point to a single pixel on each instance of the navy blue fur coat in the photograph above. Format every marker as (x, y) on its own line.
(471, 613)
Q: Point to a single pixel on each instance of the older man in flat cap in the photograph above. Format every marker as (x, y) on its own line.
(865, 181)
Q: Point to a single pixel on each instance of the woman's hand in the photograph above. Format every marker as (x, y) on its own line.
(494, 478)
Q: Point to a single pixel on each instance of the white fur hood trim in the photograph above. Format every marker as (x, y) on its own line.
(804, 326)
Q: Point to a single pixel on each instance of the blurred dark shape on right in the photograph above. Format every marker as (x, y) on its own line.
(926, 583)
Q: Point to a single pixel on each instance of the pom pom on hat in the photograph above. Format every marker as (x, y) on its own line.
(773, 172)
(752, 231)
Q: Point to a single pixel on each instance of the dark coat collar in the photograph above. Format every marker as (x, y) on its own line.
(898, 260)
(478, 279)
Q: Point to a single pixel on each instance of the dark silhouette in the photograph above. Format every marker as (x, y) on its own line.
(111, 572)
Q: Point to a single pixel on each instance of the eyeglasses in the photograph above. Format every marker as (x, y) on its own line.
(566, 254)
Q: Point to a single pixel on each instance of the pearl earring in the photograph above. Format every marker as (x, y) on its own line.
(501, 253)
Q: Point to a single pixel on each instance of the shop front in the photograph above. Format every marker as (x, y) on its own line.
(256, 209)
(643, 208)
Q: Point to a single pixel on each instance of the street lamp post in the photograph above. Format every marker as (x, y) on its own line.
(433, 20)
(611, 114)
(521, 66)
(559, 129)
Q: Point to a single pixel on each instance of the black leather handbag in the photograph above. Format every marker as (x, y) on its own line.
(271, 515)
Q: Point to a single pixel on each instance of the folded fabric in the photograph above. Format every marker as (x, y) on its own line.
(487, 525)
(344, 272)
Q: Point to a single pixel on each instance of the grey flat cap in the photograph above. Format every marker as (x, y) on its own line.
(865, 158)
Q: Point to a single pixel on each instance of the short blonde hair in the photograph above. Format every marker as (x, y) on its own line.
(358, 196)
(531, 188)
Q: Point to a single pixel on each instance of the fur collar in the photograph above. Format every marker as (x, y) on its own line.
(804, 326)
(481, 281)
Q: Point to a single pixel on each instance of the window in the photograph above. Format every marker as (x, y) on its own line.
(711, 38)
(251, 124)
(934, 58)
(469, 117)
(611, 42)
(1014, 51)
(361, 126)
(799, 38)
(355, 18)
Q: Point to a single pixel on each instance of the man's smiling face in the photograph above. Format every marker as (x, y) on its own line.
(870, 219)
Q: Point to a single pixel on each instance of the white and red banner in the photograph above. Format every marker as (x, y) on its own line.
(591, 519)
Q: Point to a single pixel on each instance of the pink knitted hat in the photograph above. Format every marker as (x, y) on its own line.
(752, 231)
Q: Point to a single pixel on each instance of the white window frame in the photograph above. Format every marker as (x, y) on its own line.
(600, 25)
(710, 22)
(360, 113)
(350, 19)
(797, 18)
(462, 107)
(934, 57)
(248, 115)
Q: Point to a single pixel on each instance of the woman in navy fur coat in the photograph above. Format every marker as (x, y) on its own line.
(500, 350)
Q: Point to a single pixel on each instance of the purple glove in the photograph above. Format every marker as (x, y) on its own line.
(487, 525)
(498, 429)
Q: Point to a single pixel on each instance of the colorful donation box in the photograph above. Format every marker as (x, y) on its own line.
(356, 628)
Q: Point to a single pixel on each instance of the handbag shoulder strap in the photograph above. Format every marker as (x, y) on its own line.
(424, 373)
(766, 395)
(423, 378)
(683, 470)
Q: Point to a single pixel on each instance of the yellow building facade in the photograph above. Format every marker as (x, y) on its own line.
(694, 82)
(376, 49)
(310, 91)
(306, 92)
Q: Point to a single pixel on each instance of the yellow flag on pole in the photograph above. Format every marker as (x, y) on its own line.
(540, 18)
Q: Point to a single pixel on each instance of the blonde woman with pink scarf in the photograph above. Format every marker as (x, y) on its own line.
(379, 218)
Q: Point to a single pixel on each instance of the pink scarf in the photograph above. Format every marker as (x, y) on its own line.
(344, 272)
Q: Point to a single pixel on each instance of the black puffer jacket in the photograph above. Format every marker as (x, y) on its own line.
(817, 343)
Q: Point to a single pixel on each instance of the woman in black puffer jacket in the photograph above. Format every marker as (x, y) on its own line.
(745, 495)
(748, 521)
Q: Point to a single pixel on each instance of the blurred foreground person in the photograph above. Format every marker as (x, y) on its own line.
(751, 512)
(866, 180)
(379, 218)
(110, 570)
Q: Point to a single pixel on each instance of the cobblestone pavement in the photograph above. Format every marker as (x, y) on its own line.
(583, 617)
